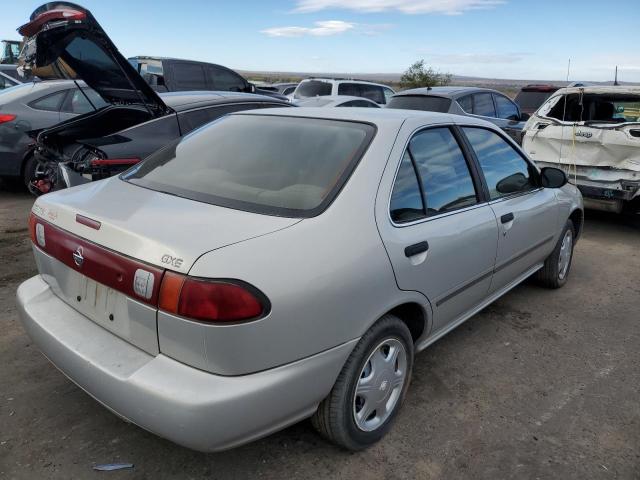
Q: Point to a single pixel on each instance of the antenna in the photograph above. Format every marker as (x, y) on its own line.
(564, 116)
(615, 81)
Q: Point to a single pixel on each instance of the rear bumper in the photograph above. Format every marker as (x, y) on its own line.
(185, 405)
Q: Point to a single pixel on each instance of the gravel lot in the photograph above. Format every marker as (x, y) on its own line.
(542, 384)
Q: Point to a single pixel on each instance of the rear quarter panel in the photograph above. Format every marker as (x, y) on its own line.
(328, 279)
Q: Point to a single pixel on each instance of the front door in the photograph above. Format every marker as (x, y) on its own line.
(526, 213)
(440, 234)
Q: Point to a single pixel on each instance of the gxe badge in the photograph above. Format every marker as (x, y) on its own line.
(77, 257)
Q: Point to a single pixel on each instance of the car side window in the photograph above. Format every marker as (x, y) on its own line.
(506, 108)
(49, 103)
(483, 105)
(350, 89)
(447, 183)
(77, 103)
(189, 77)
(372, 92)
(288, 90)
(504, 169)
(406, 199)
(225, 80)
(388, 93)
(466, 103)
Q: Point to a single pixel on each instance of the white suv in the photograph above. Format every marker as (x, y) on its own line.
(317, 87)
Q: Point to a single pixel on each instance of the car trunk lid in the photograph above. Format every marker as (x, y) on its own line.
(64, 41)
(107, 260)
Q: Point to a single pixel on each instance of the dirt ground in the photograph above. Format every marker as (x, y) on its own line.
(542, 384)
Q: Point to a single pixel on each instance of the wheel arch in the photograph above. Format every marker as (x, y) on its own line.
(577, 218)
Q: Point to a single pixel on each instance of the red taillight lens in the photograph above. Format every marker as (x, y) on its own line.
(209, 300)
(34, 26)
(6, 117)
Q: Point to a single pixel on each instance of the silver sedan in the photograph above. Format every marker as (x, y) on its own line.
(288, 263)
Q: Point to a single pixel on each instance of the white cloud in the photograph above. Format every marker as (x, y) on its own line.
(445, 7)
(321, 29)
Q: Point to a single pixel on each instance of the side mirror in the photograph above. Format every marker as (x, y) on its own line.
(553, 177)
(251, 88)
(512, 184)
(524, 117)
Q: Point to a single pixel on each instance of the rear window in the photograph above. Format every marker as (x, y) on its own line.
(593, 107)
(530, 101)
(312, 88)
(292, 166)
(420, 102)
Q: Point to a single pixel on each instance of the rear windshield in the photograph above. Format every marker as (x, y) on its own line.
(530, 101)
(594, 107)
(420, 102)
(312, 88)
(276, 165)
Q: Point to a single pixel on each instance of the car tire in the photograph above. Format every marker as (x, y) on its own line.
(29, 170)
(369, 379)
(557, 266)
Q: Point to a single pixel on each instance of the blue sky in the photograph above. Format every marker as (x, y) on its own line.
(489, 38)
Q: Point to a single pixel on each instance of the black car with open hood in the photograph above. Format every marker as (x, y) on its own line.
(64, 41)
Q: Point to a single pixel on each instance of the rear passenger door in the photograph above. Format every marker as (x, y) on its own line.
(526, 212)
(439, 231)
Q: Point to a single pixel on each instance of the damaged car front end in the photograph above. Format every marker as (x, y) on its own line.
(593, 133)
(64, 41)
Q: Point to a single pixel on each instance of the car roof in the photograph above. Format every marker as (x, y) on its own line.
(375, 116)
(453, 91)
(632, 89)
(350, 80)
(324, 100)
(180, 101)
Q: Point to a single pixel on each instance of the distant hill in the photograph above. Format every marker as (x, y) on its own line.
(508, 86)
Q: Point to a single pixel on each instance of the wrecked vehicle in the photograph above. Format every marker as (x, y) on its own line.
(593, 133)
(65, 41)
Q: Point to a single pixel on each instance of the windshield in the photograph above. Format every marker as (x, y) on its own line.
(420, 102)
(312, 88)
(285, 166)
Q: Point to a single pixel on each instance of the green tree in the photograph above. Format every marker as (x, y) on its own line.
(420, 75)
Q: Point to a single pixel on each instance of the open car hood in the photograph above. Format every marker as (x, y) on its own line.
(64, 41)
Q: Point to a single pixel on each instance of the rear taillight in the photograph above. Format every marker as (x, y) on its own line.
(6, 117)
(210, 300)
(34, 26)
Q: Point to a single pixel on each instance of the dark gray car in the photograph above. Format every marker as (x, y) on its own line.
(483, 103)
(9, 77)
(34, 106)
